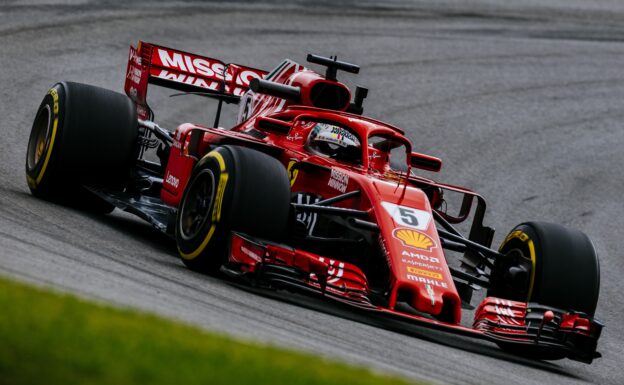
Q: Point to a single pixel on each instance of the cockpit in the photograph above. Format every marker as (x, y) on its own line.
(384, 152)
(336, 142)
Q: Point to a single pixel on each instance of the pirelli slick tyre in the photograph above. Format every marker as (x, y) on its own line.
(548, 264)
(551, 265)
(81, 134)
(230, 189)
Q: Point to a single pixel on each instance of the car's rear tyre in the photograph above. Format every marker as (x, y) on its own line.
(551, 265)
(81, 134)
(230, 189)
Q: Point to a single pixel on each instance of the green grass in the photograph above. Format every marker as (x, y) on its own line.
(49, 338)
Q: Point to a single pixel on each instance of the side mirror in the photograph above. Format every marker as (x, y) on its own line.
(272, 126)
(425, 162)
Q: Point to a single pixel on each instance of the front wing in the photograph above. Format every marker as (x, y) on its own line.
(527, 328)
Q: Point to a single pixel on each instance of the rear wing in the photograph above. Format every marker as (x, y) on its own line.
(183, 71)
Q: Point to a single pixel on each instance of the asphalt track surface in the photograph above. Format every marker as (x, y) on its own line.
(523, 102)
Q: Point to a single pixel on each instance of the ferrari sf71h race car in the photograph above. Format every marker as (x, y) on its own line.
(305, 194)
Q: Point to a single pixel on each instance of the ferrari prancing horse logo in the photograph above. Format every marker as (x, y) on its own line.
(292, 172)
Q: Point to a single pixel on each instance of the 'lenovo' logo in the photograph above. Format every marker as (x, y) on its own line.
(172, 180)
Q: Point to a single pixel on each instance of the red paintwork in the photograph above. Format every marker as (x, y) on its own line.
(507, 318)
(149, 63)
(418, 272)
(338, 278)
(495, 318)
(179, 167)
(502, 315)
(377, 187)
(577, 323)
(414, 254)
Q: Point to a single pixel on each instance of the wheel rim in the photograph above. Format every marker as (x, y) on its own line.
(39, 138)
(197, 206)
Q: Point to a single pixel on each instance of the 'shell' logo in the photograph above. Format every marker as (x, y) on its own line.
(415, 239)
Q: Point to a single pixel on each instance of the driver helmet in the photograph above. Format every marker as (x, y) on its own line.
(336, 142)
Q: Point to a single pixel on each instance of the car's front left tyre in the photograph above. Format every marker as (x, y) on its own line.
(549, 264)
(546, 264)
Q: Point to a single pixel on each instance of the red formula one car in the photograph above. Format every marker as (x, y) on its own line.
(306, 194)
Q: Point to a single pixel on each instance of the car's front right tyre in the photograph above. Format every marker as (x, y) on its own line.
(231, 188)
(81, 134)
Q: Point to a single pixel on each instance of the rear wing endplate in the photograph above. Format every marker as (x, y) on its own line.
(183, 71)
